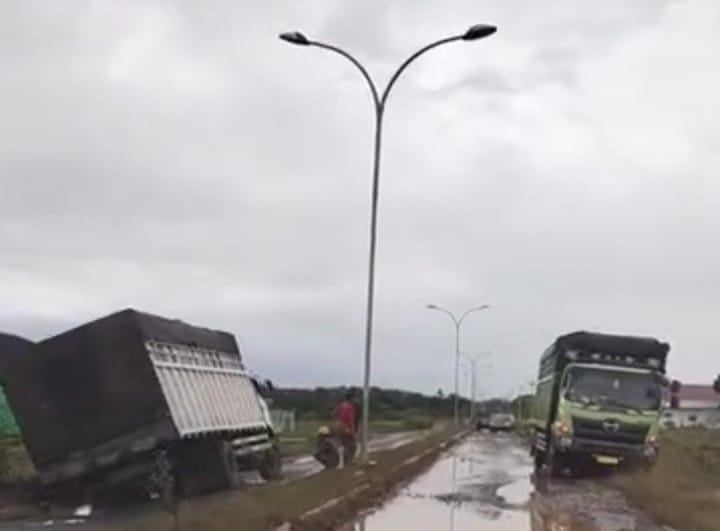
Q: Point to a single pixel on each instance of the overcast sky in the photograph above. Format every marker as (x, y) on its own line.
(182, 160)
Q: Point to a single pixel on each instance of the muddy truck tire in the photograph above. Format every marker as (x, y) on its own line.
(270, 466)
(205, 465)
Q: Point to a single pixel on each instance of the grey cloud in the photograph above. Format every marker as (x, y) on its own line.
(183, 160)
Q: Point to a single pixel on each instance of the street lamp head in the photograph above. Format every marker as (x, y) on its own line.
(295, 37)
(484, 307)
(431, 307)
(479, 31)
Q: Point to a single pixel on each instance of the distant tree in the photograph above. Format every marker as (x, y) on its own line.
(716, 384)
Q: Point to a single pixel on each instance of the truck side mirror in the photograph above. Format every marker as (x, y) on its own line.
(663, 380)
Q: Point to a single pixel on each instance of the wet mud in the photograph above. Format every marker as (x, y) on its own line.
(18, 512)
(487, 484)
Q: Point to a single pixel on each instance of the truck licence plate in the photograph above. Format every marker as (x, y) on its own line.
(607, 460)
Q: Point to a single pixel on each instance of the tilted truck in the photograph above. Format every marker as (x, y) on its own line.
(137, 400)
(598, 400)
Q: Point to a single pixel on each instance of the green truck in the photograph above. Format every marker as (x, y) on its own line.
(11, 346)
(598, 400)
(8, 426)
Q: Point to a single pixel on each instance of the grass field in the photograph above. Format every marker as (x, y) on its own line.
(683, 489)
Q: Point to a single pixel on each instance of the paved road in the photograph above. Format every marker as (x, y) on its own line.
(485, 484)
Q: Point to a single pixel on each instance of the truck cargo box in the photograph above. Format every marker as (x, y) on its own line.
(634, 351)
(125, 384)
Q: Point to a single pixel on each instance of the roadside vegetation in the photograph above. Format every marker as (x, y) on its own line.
(683, 489)
(15, 464)
(302, 439)
(392, 411)
(386, 404)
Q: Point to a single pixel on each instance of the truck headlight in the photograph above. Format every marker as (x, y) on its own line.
(651, 446)
(562, 429)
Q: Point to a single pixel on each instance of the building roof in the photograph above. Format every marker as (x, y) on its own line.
(698, 393)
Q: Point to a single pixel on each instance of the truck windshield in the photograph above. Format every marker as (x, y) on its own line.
(613, 388)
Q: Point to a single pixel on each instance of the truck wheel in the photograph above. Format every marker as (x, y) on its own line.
(232, 471)
(206, 465)
(270, 467)
(556, 464)
(161, 484)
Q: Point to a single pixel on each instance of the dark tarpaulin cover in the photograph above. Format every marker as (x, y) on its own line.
(11, 346)
(94, 383)
(613, 344)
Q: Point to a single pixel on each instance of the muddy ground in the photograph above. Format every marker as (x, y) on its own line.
(487, 484)
(17, 511)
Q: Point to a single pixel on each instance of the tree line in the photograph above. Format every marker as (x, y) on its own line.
(385, 404)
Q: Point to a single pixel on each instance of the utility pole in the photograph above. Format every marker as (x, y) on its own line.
(457, 321)
(476, 32)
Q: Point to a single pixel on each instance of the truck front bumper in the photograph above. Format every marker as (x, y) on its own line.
(608, 452)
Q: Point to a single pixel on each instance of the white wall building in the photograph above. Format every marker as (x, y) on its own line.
(698, 406)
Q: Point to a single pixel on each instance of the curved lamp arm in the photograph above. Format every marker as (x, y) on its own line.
(471, 310)
(358, 64)
(409, 60)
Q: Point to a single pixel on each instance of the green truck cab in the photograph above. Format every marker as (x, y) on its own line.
(598, 400)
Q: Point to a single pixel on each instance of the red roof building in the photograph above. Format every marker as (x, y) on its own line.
(695, 396)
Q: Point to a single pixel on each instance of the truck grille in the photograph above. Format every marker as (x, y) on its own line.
(597, 430)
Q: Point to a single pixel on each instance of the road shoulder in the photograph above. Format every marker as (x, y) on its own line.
(316, 502)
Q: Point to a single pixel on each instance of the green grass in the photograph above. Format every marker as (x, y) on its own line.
(15, 464)
(302, 440)
(683, 489)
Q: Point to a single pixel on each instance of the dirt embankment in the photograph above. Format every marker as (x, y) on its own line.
(683, 489)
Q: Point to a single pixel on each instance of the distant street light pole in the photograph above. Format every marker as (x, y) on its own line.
(473, 378)
(457, 321)
(478, 31)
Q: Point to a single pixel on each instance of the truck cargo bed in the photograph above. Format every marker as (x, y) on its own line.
(129, 382)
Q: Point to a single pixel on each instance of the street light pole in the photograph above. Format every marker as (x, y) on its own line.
(475, 32)
(473, 379)
(457, 322)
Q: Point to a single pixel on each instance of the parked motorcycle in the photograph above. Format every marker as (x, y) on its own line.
(334, 447)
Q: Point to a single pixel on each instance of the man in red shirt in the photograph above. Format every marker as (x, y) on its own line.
(346, 416)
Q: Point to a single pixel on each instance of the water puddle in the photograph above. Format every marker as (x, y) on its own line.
(486, 484)
(468, 487)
